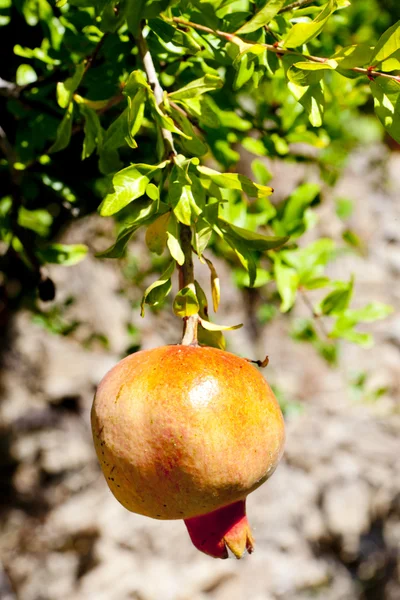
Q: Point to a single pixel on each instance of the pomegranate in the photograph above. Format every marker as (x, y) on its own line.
(187, 432)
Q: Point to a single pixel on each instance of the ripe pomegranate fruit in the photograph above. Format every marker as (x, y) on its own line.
(187, 432)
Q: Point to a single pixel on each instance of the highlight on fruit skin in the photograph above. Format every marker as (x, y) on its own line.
(187, 432)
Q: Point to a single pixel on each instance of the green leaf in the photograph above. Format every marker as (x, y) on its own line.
(194, 145)
(92, 129)
(244, 255)
(292, 221)
(312, 98)
(173, 242)
(37, 220)
(25, 74)
(253, 240)
(357, 55)
(235, 181)
(315, 283)
(180, 196)
(371, 312)
(337, 301)
(242, 279)
(156, 234)
(64, 131)
(388, 44)
(386, 93)
(162, 119)
(135, 114)
(117, 250)
(197, 87)
(186, 303)
(309, 262)
(246, 66)
(128, 184)
(158, 290)
(287, 282)
(207, 338)
(344, 208)
(301, 33)
(308, 73)
(263, 17)
(62, 254)
(201, 237)
(152, 191)
(214, 327)
(172, 37)
(353, 239)
(142, 212)
(66, 89)
(175, 248)
(261, 171)
(117, 133)
(133, 14)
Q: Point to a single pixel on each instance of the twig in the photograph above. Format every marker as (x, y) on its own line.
(298, 4)
(92, 58)
(319, 323)
(280, 50)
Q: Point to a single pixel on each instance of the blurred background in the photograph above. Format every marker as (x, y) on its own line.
(327, 525)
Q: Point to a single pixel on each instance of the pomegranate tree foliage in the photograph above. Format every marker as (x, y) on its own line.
(141, 109)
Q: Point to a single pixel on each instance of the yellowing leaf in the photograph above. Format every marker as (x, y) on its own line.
(214, 327)
(156, 234)
(215, 285)
(186, 303)
(158, 290)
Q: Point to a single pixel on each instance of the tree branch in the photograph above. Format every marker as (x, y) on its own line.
(280, 50)
(186, 273)
(152, 78)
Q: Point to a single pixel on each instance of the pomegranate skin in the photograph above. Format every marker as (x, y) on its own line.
(181, 431)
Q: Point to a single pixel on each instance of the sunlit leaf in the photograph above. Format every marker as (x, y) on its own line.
(197, 87)
(214, 327)
(158, 290)
(186, 303)
(386, 93)
(128, 184)
(156, 234)
(388, 44)
(262, 17)
(301, 33)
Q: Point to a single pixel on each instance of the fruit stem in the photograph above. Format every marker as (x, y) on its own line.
(186, 277)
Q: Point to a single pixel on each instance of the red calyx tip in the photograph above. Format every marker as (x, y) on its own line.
(222, 530)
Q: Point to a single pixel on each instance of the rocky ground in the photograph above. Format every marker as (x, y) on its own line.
(327, 525)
